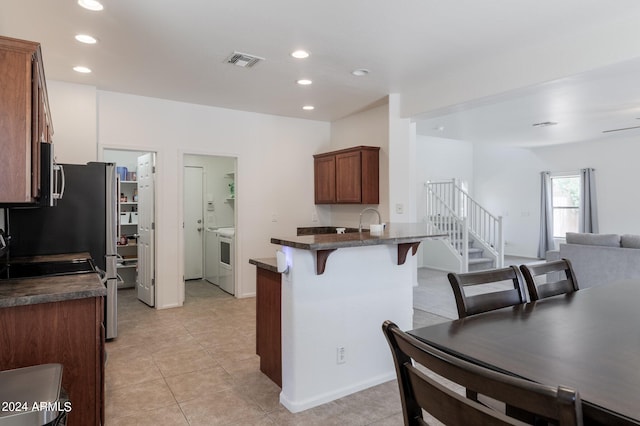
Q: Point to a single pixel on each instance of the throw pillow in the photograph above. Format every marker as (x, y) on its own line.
(630, 241)
(607, 240)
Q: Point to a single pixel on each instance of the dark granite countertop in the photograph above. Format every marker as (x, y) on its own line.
(394, 233)
(268, 263)
(31, 291)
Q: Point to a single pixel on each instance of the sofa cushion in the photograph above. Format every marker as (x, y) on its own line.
(630, 241)
(607, 240)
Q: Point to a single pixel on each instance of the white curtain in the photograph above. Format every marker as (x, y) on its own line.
(588, 205)
(546, 216)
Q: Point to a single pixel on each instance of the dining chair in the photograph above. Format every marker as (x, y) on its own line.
(471, 304)
(552, 270)
(421, 390)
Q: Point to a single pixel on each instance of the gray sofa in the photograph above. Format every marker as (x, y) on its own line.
(600, 259)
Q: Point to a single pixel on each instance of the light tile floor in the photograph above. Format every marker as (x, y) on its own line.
(196, 365)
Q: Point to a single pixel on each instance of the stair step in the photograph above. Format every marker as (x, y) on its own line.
(480, 264)
(475, 253)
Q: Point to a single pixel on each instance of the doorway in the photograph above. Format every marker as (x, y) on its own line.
(136, 220)
(209, 222)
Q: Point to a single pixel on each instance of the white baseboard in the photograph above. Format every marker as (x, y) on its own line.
(297, 406)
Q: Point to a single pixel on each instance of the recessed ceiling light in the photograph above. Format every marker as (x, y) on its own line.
(300, 54)
(308, 107)
(360, 72)
(81, 69)
(91, 5)
(304, 82)
(87, 39)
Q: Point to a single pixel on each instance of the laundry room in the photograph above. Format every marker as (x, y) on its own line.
(209, 220)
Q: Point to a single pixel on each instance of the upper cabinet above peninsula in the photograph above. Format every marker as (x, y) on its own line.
(25, 122)
(347, 176)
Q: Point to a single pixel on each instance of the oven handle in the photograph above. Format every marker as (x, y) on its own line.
(103, 276)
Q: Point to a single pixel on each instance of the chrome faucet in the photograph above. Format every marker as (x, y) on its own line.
(365, 210)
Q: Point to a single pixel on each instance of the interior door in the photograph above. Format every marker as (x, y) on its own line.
(193, 223)
(146, 229)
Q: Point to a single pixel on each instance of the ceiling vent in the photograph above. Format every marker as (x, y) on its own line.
(243, 60)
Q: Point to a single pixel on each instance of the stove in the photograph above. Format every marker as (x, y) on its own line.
(46, 269)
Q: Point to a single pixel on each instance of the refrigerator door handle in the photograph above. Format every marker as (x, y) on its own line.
(58, 170)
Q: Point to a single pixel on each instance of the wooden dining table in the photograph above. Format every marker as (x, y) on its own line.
(588, 340)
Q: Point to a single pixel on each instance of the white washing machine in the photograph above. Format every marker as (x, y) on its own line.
(226, 255)
(212, 257)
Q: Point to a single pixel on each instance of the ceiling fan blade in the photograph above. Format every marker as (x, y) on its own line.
(618, 130)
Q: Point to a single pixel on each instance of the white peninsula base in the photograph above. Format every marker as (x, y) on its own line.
(344, 307)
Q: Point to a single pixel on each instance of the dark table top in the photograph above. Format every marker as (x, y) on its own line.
(588, 340)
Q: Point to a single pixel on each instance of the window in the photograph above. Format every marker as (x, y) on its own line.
(566, 204)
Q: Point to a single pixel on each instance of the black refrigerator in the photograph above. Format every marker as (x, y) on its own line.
(84, 220)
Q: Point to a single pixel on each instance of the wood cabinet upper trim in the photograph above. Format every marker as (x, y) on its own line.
(346, 150)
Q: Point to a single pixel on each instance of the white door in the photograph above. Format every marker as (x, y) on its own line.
(146, 229)
(193, 223)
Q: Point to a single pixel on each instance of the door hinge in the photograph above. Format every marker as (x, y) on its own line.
(153, 169)
(153, 226)
(153, 282)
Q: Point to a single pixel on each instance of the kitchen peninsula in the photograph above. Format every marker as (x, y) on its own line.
(338, 290)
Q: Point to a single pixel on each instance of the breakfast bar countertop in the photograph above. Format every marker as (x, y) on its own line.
(394, 233)
(46, 289)
(268, 263)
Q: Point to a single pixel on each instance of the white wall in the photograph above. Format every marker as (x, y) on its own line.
(439, 159)
(216, 187)
(507, 181)
(74, 117)
(402, 166)
(370, 128)
(275, 167)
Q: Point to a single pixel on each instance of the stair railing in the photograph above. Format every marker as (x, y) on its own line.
(485, 228)
(443, 216)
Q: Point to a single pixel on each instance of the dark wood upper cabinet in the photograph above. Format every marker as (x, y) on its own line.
(25, 119)
(347, 176)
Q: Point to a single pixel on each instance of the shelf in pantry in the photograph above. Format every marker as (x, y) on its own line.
(128, 265)
(129, 181)
(128, 203)
(230, 174)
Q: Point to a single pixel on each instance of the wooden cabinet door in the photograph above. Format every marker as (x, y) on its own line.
(25, 120)
(325, 179)
(15, 136)
(349, 177)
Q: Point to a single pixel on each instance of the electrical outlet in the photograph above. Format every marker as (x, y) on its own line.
(274, 217)
(314, 216)
(399, 208)
(341, 357)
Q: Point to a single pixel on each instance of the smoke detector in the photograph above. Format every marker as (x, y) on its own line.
(243, 60)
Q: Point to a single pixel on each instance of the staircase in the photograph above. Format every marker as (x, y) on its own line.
(475, 240)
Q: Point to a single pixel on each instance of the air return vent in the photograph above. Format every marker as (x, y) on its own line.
(243, 59)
